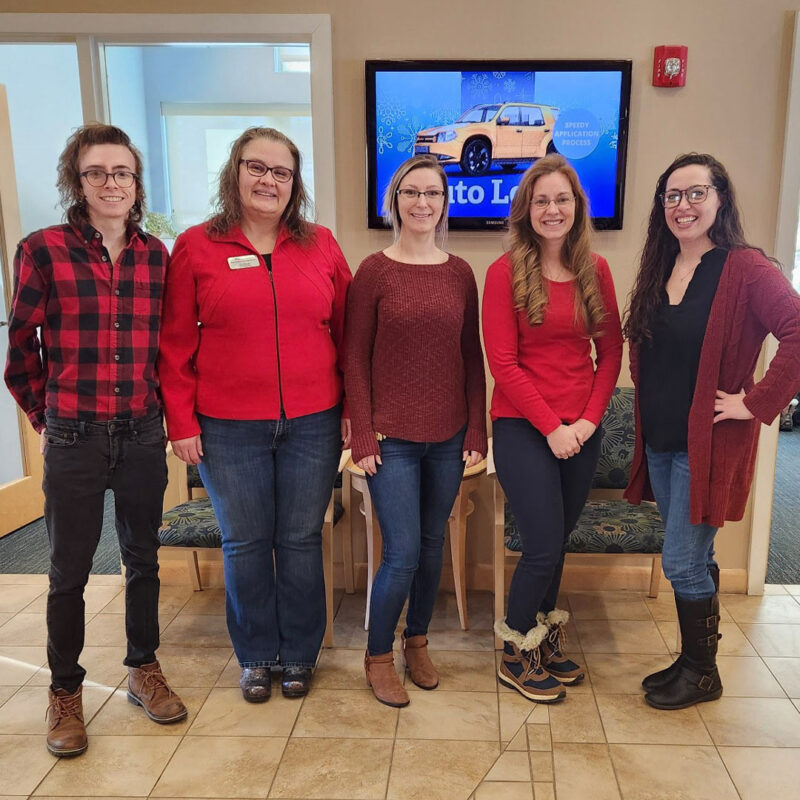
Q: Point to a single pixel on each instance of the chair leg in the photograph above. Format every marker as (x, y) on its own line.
(346, 525)
(499, 556)
(458, 552)
(655, 576)
(374, 544)
(194, 570)
(327, 570)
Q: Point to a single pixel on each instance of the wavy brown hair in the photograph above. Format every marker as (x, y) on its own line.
(228, 204)
(527, 282)
(68, 183)
(661, 247)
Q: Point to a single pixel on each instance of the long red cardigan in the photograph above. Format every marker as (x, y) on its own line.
(753, 299)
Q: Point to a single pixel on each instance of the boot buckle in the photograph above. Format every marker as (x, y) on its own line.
(708, 641)
(709, 622)
(705, 683)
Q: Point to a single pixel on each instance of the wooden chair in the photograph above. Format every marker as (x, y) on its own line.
(354, 479)
(609, 526)
(191, 528)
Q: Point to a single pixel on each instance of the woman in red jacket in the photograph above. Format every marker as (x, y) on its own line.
(545, 301)
(417, 394)
(703, 302)
(249, 363)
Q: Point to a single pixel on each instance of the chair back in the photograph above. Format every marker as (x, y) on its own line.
(616, 447)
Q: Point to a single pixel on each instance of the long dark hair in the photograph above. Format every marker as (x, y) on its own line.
(229, 205)
(69, 179)
(661, 247)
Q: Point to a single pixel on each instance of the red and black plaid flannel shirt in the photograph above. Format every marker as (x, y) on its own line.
(99, 325)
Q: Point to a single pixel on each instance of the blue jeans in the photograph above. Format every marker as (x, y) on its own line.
(413, 491)
(270, 482)
(688, 549)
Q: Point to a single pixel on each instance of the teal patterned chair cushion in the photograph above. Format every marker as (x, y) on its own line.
(193, 524)
(606, 526)
(616, 448)
(193, 477)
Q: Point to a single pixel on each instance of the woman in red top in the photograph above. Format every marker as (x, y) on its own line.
(703, 302)
(251, 342)
(417, 394)
(544, 303)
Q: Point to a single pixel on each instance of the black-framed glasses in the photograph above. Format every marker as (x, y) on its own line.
(124, 178)
(694, 195)
(258, 169)
(561, 201)
(414, 194)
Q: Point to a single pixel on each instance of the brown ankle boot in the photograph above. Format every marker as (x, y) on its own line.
(565, 669)
(381, 676)
(66, 733)
(418, 662)
(148, 688)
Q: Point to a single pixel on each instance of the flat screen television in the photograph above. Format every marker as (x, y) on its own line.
(488, 121)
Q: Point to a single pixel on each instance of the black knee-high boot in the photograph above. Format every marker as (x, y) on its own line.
(696, 679)
(664, 676)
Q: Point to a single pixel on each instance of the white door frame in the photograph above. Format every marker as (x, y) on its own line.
(785, 238)
(91, 32)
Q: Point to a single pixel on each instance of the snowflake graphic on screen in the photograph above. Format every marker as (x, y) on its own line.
(613, 143)
(480, 84)
(407, 134)
(390, 111)
(509, 84)
(382, 139)
(499, 74)
(444, 115)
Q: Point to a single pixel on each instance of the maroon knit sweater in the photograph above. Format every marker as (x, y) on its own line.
(414, 366)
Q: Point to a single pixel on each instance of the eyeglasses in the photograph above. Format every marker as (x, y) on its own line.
(694, 195)
(413, 194)
(258, 169)
(541, 203)
(98, 177)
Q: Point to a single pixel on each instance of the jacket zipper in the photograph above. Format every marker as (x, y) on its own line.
(277, 346)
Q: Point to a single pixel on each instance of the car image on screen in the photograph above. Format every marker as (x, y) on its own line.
(493, 133)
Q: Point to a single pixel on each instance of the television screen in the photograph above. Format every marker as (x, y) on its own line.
(487, 122)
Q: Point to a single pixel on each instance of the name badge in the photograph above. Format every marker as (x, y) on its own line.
(243, 262)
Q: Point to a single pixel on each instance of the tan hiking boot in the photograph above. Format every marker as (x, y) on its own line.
(383, 679)
(554, 661)
(418, 662)
(66, 733)
(148, 688)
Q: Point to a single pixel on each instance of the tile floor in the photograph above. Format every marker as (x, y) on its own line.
(469, 739)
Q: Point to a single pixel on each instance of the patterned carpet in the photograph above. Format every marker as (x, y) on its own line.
(26, 551)
(784, 545)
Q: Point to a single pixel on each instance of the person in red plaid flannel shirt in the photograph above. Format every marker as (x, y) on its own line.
(83, 341)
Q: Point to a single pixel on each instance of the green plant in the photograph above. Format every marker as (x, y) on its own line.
(160, 225)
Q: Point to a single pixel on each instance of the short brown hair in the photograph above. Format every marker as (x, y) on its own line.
(228, 203)
(69, 181)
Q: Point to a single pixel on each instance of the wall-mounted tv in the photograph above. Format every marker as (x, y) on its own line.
(488, 121)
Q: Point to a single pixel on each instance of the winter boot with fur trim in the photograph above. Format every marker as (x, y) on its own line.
(664, 676)
(521, 667)
(697, 679)
(553, 659)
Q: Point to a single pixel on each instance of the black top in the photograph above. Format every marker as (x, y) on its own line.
(668, 362)
(267, 260)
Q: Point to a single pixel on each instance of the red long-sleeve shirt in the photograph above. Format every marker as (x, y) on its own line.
(255, 352)
(414, 362)
(545, 373)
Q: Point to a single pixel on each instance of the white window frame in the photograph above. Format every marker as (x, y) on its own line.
(91, 32)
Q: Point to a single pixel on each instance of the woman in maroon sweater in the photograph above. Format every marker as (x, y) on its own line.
(703, 302)
(544, 303)
(417, 396)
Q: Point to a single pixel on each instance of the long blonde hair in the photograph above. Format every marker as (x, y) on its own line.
(527, 282)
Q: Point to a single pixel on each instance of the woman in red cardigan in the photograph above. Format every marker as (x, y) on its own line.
(250, 351)
(417, 394)
(703, 302)
(545, 301)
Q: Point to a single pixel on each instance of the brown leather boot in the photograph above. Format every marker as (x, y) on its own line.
(381, 676)
(561, 667)
(418, 662)
(148, 688)
(66, 733)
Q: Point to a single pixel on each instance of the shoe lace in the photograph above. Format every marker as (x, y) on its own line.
(154, 680)
(557, 639)
(532, 662)
(66, 706)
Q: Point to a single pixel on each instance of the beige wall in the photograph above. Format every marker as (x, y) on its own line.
(733, 104)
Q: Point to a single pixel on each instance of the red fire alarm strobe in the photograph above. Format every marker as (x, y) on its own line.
(669, 65)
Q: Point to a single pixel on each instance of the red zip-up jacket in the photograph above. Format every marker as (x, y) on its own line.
(232, 348)
(753, 299)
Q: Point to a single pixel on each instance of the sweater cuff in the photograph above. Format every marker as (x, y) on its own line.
(476, 440)
(363, 445)
(763, 411)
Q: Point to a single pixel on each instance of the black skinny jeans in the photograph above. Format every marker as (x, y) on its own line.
(546, 495)
(81, 461)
